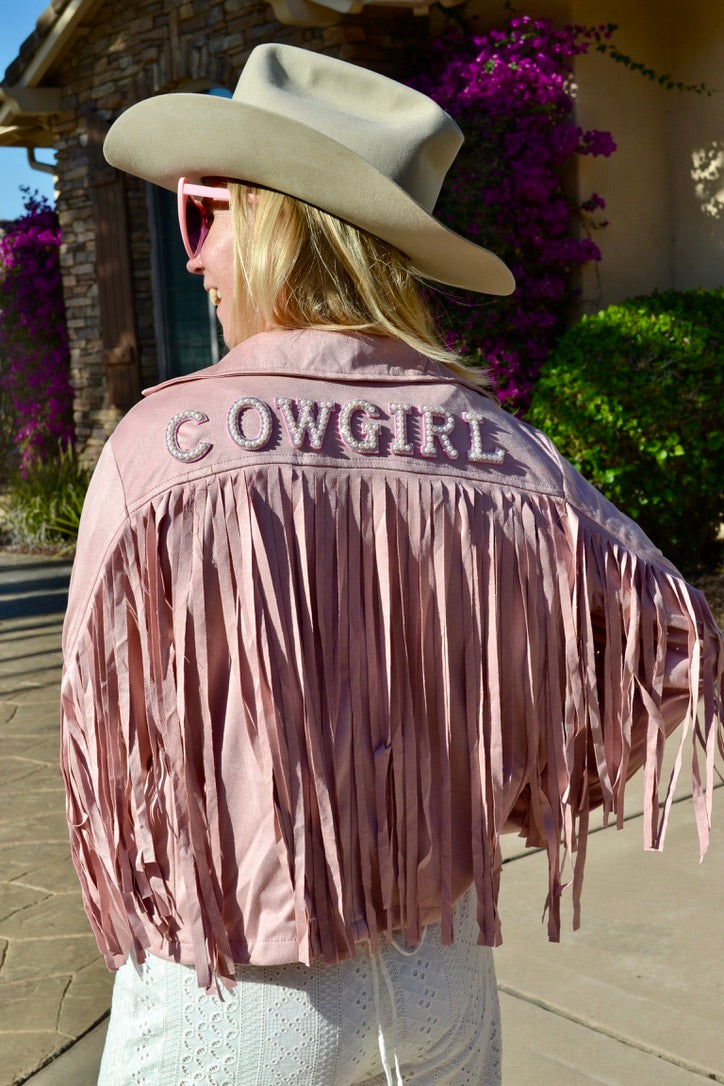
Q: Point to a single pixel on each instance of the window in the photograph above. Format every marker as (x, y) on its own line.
(188, 335)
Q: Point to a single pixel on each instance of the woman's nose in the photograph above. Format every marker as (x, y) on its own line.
(194, 264)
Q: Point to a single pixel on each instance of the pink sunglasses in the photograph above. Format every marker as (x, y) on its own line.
(194, 217)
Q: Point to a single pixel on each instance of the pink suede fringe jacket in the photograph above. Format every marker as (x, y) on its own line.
(337, 622)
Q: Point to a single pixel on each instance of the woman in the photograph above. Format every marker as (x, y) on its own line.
(341, 621)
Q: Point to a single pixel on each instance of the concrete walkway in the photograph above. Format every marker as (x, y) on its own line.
(633, 999)
(53, 986)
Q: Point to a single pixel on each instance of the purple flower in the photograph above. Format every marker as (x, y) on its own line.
(509, 89)
(34, 358)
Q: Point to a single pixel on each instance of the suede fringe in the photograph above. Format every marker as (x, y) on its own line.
(366, 620)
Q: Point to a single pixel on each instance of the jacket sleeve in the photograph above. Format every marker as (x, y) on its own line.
(104, 512)
(639, 655)
(87, 757)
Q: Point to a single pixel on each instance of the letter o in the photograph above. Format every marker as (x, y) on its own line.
(250, 403)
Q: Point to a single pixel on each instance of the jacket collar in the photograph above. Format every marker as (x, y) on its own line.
(332, 356)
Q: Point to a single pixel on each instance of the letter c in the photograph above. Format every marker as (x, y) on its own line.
(186, 456)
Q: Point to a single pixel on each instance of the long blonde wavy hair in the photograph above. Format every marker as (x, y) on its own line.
(296, 266)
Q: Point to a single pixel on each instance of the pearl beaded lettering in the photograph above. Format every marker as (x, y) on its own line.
(439, 430)
(305, 422)
(370, 442)
(361, 427)
(233, 420)
(476, 452)
(401, 446)
(187, 456)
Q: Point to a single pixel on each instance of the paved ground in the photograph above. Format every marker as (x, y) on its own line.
(633, 999)
(53, 987)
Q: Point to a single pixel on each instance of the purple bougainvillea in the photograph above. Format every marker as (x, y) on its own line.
(510, 90)
(35, 388)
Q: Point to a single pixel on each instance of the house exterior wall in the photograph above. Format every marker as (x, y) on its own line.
(666, 221)
(134, 50)
(696, 140)
(666, 224)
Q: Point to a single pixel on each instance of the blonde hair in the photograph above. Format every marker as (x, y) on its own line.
(296, 266)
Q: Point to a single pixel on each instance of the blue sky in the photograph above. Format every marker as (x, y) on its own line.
(17, 20)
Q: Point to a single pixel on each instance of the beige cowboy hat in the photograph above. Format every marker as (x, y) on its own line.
(350, 141)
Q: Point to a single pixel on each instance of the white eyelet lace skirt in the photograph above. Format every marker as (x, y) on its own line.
(426, 1016)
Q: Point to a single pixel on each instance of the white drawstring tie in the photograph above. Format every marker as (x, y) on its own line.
(378, 966)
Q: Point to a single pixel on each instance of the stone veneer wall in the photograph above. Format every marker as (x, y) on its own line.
(134, 50)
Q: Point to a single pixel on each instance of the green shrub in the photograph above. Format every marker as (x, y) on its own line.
(42, 504)
(633, 397)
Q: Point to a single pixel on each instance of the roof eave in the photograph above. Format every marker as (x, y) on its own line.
(26, 105)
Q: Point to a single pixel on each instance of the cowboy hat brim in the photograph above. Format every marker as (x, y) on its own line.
(196, 136)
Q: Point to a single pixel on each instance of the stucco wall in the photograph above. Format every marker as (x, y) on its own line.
(696, 127)
(664, 232)
(666, 224)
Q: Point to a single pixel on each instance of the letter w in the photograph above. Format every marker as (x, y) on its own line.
(305, 422)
